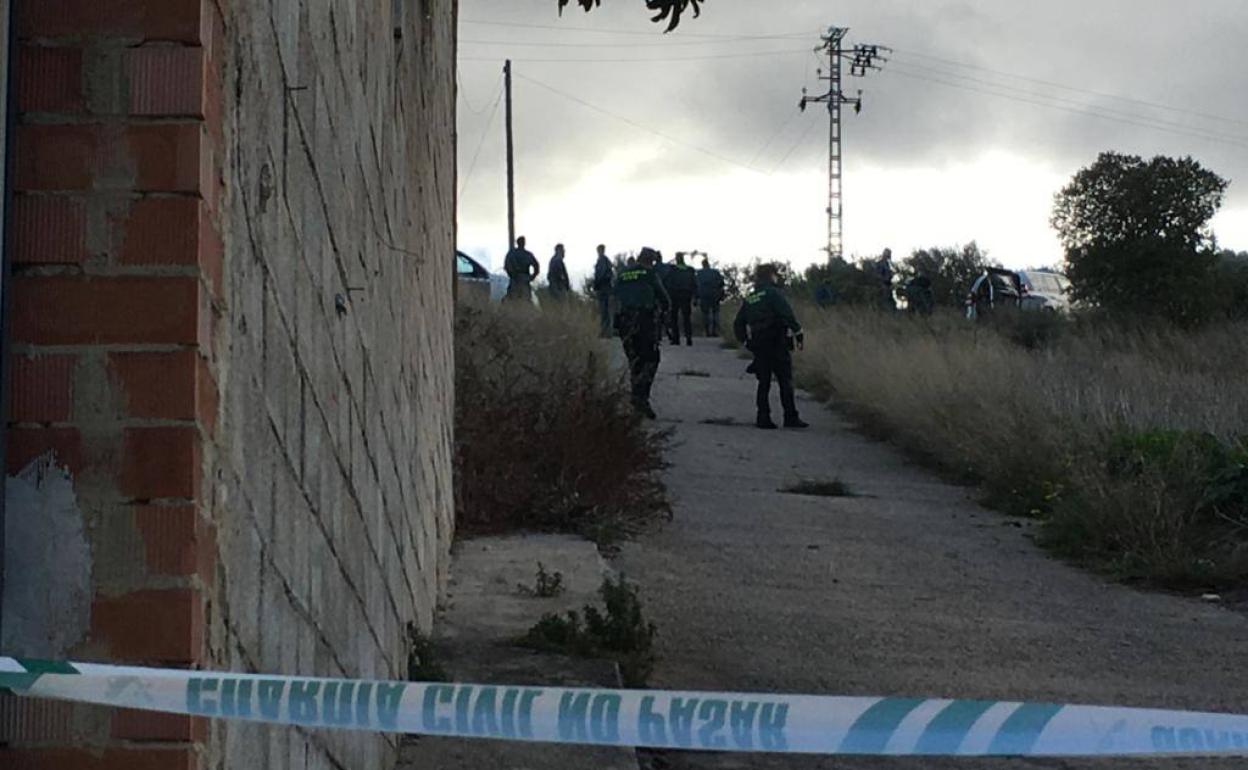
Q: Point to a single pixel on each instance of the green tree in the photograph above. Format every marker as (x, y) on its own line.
(951, 270)
(1136, 235)
(666, 10)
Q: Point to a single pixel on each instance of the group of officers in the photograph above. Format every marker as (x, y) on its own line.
(650, 297)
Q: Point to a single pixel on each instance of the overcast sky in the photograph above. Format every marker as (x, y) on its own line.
(693, 141)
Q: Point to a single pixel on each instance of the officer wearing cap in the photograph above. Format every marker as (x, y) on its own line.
(763, 325)
(640, 301)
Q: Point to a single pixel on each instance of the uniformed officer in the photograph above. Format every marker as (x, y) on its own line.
(681, 283)
(763, 325)
(640, 300)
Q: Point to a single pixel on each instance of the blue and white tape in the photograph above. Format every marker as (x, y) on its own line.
(660, 719)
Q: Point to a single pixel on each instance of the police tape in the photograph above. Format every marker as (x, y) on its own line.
(658, 719)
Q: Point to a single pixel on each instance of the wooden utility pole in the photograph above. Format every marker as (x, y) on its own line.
(511, 163)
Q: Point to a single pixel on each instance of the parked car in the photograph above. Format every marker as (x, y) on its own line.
(1044, 290)
(475, 279)
(996, 288)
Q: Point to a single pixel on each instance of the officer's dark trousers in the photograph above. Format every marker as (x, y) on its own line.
(710, 316)
(682, 312)
(774, 362)
(604, 312)
(639, 333)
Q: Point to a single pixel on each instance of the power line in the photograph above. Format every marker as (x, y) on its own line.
(787, 121)
(639, 126)
(572, 28)
(1077, 89)
(600, 44)
(637, 60)
(1159, 122)
(485, 131)
(801, 139)
(1073, 110)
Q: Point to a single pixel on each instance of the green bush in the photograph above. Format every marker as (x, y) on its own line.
(1167, 506)
(1125, 439)
(621, 632)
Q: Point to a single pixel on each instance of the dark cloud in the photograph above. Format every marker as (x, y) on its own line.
(734, 99)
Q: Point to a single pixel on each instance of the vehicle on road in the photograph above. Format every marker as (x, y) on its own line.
(997, 288)
(475, 280)
(1032, 290)
(1045, 290)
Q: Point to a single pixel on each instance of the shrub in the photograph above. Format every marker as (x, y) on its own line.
(546, 438)
(1124, 439)
(620, 632)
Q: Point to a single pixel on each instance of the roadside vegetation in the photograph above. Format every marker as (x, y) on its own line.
(1127, 440)
(545, 437)
(1123, 426)
(618, 631)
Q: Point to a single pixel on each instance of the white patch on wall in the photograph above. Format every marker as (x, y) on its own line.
(47, 563)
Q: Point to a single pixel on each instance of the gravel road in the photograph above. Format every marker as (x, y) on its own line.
(909, 588)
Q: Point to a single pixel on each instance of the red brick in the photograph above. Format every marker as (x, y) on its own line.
(151, 626)
(50, 80)
(56, 157)
(94, 310)
(135, 725)
(25, 444)
(160, 462)
(177, 541)
(175, 385)
(167, 157)
(49, 230)
(162, 231)
(157, 385)
(41, 389)
(177, 20)
(166, 81)
(107, 759)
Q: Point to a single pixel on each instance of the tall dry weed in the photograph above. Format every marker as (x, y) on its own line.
(546, 438)
(1034, 423)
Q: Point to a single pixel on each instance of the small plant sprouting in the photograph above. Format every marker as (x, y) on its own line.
(422, 663)
(547, 584)
(833, 488)
(620, 633)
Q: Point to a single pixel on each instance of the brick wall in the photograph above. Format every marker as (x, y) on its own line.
(231, 381)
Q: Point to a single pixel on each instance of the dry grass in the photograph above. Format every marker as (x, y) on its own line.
(1036, 425)
(546, 439)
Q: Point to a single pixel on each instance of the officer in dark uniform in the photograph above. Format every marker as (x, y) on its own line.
(763, 325)
(640, 301)
(681, 283)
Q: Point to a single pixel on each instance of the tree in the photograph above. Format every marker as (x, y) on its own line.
(951, 270)
(668, 10)
(1136, 235)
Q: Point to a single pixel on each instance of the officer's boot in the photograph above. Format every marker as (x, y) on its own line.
(764, 421)
(793, 421)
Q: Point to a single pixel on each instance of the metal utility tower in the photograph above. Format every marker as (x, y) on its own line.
(862, 58)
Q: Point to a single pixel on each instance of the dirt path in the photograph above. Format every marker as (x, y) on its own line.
(909, 589)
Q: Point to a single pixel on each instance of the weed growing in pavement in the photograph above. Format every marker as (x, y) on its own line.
(547, 584)
(620, 633)
(422, 661)
(1041, 411)
(813, 488)
(692, 373)
(546, 438)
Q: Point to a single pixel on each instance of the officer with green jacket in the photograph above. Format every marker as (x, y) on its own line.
(640, 301)
(763, 325)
